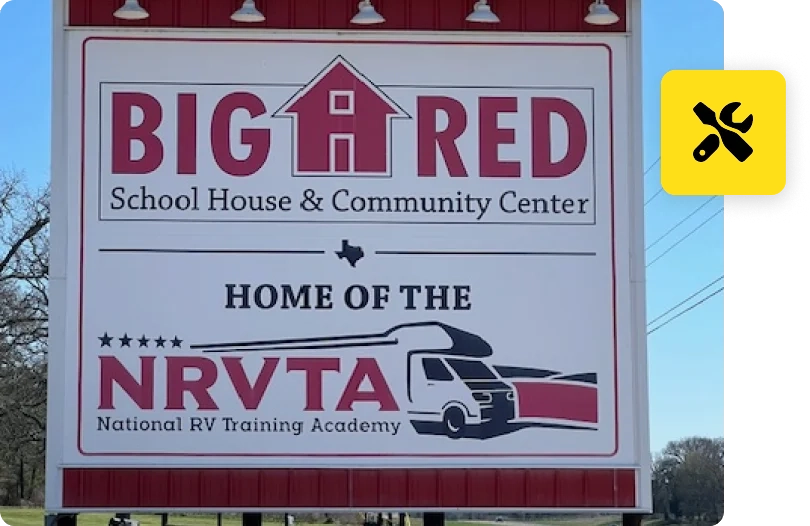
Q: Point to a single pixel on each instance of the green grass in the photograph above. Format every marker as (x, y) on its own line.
(34, 517)
(603, 520)
(566, 520)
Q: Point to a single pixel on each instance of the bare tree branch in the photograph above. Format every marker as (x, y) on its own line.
(29, 234)
(24, 224)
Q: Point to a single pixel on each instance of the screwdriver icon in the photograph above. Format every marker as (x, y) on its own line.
(732, 141)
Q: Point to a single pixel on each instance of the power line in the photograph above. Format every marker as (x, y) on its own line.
(693, 306)
(684, 238)
(651, 166)
(684, 301)
(648, 201)
(645, 175)
(682, 221)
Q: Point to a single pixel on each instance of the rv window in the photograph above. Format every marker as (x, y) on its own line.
(435, 370)
(471, 369)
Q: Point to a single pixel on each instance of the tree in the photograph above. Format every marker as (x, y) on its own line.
(725, 478)
(24, 221)
(688, 480)
(663, 477)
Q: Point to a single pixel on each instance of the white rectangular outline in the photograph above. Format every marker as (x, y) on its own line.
(333, 142)
(334, 110)
(57, 380)
(454, 39)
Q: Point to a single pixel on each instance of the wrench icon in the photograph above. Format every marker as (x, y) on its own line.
(733, 142)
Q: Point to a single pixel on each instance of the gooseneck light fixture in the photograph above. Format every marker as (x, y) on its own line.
(131, 10)
(247, 13)
(482, 13)
(366, 14)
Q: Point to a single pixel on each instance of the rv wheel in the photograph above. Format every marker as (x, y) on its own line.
(454, 422)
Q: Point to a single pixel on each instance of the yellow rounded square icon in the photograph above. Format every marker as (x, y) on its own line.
(723, 132)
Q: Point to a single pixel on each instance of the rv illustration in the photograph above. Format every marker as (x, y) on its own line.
(451, 388)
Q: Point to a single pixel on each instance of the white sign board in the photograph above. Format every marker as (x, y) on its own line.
(314, 252)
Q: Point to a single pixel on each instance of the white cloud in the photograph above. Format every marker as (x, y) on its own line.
(2, 3)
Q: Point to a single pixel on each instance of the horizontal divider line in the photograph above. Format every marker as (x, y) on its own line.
(476, 253)
(204, 251)
(321, 252)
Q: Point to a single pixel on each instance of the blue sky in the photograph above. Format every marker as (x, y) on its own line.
(685, 356)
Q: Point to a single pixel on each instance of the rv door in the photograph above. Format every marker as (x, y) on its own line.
(431, 384)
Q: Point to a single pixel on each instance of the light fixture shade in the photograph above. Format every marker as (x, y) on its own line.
(482, 13)
(247, 13)
(599, 14)
(366, 14)
(131, 10)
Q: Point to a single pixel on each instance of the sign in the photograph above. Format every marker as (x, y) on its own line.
(723, 132)
(315, 252)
